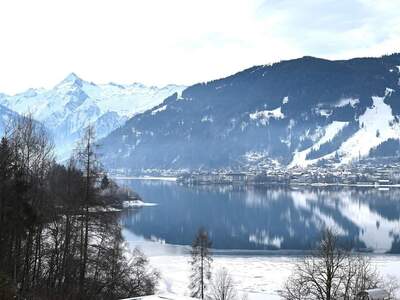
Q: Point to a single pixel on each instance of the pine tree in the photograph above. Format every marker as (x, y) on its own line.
(87, 158)
(200, 264)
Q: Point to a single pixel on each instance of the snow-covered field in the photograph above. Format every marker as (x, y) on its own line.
(258, 276)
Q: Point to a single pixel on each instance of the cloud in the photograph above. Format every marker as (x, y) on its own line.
(181, 41)
(336, 29)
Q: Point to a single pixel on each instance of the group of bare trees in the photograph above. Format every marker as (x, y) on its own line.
(330, 272)
(56, 240)
(333, 272)
(223, 287)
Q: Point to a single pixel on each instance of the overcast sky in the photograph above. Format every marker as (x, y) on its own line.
(181, 41)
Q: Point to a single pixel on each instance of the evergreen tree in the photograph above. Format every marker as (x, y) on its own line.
(200, 264)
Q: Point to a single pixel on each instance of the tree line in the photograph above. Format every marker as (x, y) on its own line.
(59, 236)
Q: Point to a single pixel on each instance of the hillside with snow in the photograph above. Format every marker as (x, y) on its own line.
(70, 106)
(294, 113)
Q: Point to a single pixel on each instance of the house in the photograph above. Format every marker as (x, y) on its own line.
(373, 294)
(236, 177)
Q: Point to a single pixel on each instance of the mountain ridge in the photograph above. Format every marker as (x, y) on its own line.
(272, 111)
(73, 104)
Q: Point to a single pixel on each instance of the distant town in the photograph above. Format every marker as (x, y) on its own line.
(368, 173)
(382, 173)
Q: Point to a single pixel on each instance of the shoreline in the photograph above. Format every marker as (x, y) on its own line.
(295, 184)
(265, 284)
(160, 247)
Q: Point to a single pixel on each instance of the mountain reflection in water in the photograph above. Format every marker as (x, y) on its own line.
(266, 218)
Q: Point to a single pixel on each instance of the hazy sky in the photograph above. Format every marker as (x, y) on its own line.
(181, 41)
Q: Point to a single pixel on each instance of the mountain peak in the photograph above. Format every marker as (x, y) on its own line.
(72, 78)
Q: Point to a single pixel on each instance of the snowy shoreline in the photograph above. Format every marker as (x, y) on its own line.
(259, 275)
(294, 184)
(136, 203)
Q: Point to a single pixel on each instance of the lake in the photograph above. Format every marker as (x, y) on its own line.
(258, 232)
(250, 218)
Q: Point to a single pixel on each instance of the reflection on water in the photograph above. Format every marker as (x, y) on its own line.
(258, 218)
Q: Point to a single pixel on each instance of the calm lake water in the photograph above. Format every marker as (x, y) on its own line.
(265, 218)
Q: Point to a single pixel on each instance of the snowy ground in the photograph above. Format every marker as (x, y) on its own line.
(258, 276)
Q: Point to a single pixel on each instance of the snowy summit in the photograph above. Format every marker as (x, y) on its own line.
(70, 106)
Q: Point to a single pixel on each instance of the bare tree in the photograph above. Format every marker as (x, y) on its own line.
(201, 264)
(33, 153)
(32, 145)
(330, 273)
(358, 274)
(392, 286)
(223, 287)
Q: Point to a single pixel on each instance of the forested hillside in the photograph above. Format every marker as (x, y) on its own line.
(59, 237)
(296, 113)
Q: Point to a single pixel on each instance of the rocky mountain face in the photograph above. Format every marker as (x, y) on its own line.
(68, 108)
(293, 113)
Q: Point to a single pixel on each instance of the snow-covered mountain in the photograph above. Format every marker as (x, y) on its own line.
(6, 118)
(68, 108)
(296, 113)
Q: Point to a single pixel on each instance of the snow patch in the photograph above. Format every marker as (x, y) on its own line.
(285, 100)
(252, 156)
(389, 92)
(179, 95)
(207, 119)
(330, 132)
(323, 112)
(136, 203)
(376, 126)
(347, 101)
(264, 115)
(162, 108)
